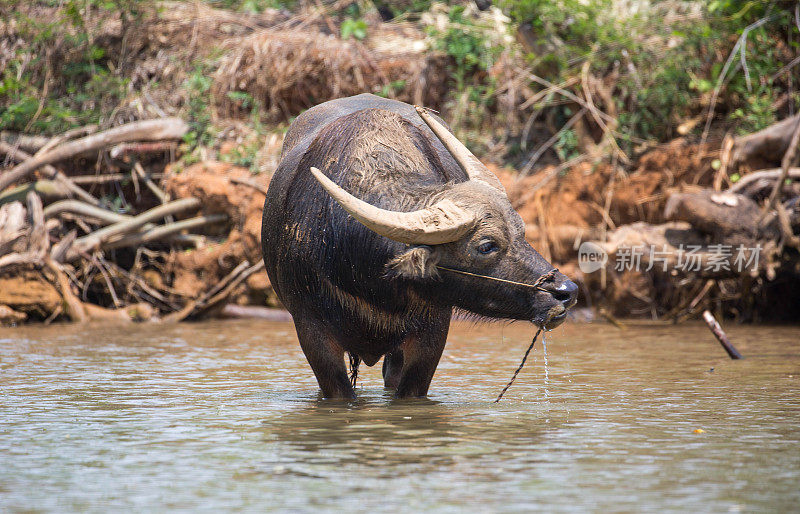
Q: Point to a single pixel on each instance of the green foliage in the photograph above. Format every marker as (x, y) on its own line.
(252, 6)
(473, 43)
(565, 29)
(666, 72)
(244, 99)
(354, 28)
(59, 76)
(757, 114)
(247, 153)
(567, 145)
(198, 101)
(467, 44)
(391, 89)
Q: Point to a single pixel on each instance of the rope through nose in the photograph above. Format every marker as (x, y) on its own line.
(537, 285)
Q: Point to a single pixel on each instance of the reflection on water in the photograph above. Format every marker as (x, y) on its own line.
(227, 415)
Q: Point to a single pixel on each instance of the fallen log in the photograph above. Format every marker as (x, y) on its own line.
(28, 290)
(727, 217)
(766, 147)
(232, 310)
(148, 130)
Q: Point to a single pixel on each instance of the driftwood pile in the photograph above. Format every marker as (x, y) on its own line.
(739, 238)
(64, 251)
(136, 240)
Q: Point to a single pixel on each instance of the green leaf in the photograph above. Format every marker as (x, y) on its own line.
(354, 28)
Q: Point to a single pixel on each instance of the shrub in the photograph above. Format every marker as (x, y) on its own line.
(669, 56)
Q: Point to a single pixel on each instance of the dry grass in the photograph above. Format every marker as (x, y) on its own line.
(290, 70)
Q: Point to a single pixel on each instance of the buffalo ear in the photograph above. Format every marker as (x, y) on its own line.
(417, 263)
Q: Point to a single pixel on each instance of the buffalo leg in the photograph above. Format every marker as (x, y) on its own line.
(392, 368)
(421, 354)
(326, 357)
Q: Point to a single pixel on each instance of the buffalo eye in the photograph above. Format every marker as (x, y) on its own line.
(487, 247)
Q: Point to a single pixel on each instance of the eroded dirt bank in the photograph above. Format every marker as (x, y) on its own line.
(194, 273)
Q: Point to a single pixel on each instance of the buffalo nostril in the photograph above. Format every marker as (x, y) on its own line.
(566, 292)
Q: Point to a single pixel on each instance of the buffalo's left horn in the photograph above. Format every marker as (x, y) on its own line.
(472, 166)
(442, 222)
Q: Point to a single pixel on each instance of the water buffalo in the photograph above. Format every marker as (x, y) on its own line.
(378, 223)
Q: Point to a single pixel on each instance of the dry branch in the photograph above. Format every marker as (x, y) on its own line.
(25, 142)
(160, 194)
(38, 242)
(20, 156)
(49, 189)
(13, 226)
(74, 307)
(60, 249)
(217, 294)
(789, 160)
(716, 329)
(126, 148)
(770, 174)
(85, 209)
(164, 231)
(598, 115)
(232, 310)
(97, 238)
(550, 142)
(248, 183)
(66, 136)
(149, 130)
(109, 177)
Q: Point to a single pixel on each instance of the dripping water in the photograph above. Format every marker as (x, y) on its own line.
(546, 373)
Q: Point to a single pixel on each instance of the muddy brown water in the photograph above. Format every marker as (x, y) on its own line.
(226, 416)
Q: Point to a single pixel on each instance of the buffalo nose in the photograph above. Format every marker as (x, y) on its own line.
(565, 291)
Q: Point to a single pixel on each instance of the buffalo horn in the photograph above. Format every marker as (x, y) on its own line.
(442, 222)
(472, 166)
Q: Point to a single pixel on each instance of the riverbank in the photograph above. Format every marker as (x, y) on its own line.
(191, 244)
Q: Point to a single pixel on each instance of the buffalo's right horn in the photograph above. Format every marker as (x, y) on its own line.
(472, 166)
(442, 222)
